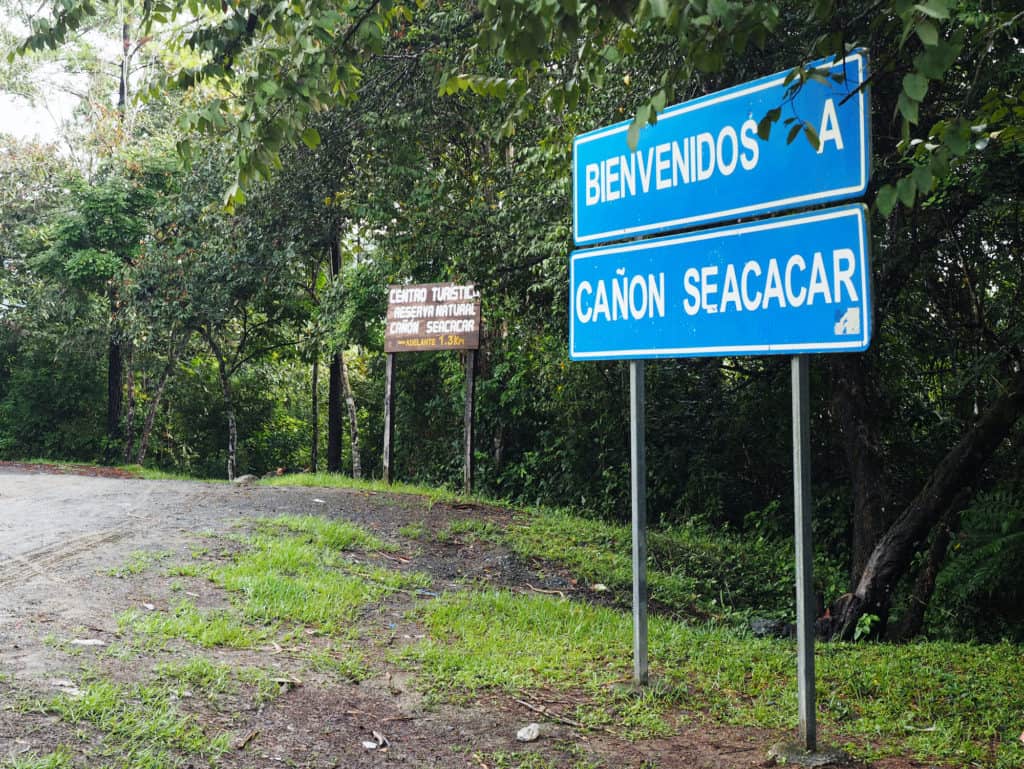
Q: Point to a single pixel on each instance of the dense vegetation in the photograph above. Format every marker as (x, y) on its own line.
(358, 145)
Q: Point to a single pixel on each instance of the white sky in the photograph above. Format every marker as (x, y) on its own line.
(42, 118)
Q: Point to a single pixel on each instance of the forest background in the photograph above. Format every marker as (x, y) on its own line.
(196, 280)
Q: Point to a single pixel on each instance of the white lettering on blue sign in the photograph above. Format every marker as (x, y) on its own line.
(703, 161)
(789, 285)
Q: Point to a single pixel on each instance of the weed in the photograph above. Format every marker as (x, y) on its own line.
(417, 530)
(469, 530)
(139, 724)
(887, 700)
(217, 627)
(349, 664)
(59, 759)
(138, 562)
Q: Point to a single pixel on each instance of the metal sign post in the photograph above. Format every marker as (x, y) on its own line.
(638, 500)
(804, 552)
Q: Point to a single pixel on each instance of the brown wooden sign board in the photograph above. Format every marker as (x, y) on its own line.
(432, 316)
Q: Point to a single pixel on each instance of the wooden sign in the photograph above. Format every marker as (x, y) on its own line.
(432, 316)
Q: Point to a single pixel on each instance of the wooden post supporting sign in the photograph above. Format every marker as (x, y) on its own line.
(427, 318)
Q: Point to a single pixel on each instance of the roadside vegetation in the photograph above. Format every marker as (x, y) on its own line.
(318, 587)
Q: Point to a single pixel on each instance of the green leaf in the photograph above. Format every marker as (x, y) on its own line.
(908, 108)
(885, 200)
(793, 133)
(957, 136)
(915, 86)
(906, 191)
(937, 9)
(658, 102)
(927, 32)
(311, 137)
(922, 176)
(633, 135)
(812, 136)
(659, 8)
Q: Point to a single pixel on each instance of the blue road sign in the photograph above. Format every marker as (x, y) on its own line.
(790, 285)
(702, 162)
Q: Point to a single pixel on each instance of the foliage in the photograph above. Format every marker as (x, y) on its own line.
(879, 700)
(979, 593)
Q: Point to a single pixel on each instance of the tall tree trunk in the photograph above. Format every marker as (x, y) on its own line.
(871, 499)
(157, 396)
(229, 406)
(353, 420)
(115, 397)
(958, 469)
(334, 415)
(924, 586)
(314, 447)
(129, 421)
(334, 386)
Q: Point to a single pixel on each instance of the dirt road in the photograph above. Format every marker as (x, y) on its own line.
(76, 553)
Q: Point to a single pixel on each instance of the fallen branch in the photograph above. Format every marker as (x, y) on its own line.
(240, 744)
(545, 711)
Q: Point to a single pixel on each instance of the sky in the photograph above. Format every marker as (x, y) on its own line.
(41, 119)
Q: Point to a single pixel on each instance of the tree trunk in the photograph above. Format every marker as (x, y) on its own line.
(129, 420)
(115, 402)
(958, 469)
(864, 458)
(913, 620)
(353, 419)
(334, 385)
(334, 415)
(158, 394)
(229, 407)
(314, 447)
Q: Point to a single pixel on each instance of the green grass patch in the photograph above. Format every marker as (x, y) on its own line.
(58, 759)
(140, 725)
(349, 664)
(470, 530)
(692, 571)
(154, 474)
(417, 530)
(214, 627)
(140, 561)
(212, 679)
(295, 571)
(432, 495)
(942, 702)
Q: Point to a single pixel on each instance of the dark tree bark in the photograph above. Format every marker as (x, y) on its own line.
(861, 444)
(895, 550)
(924, 586)
(334, 415)
(334, 385)
(314, 447)
(129, 420)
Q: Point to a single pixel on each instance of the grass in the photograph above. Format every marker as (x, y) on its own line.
(294, 570)
(139, 725)
(58, 759)
(955, 703)
(212, 679)
(210, 628)
(347, 664)
(432, 494)
(140, 561)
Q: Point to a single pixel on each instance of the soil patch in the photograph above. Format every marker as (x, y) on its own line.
(79, 552)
